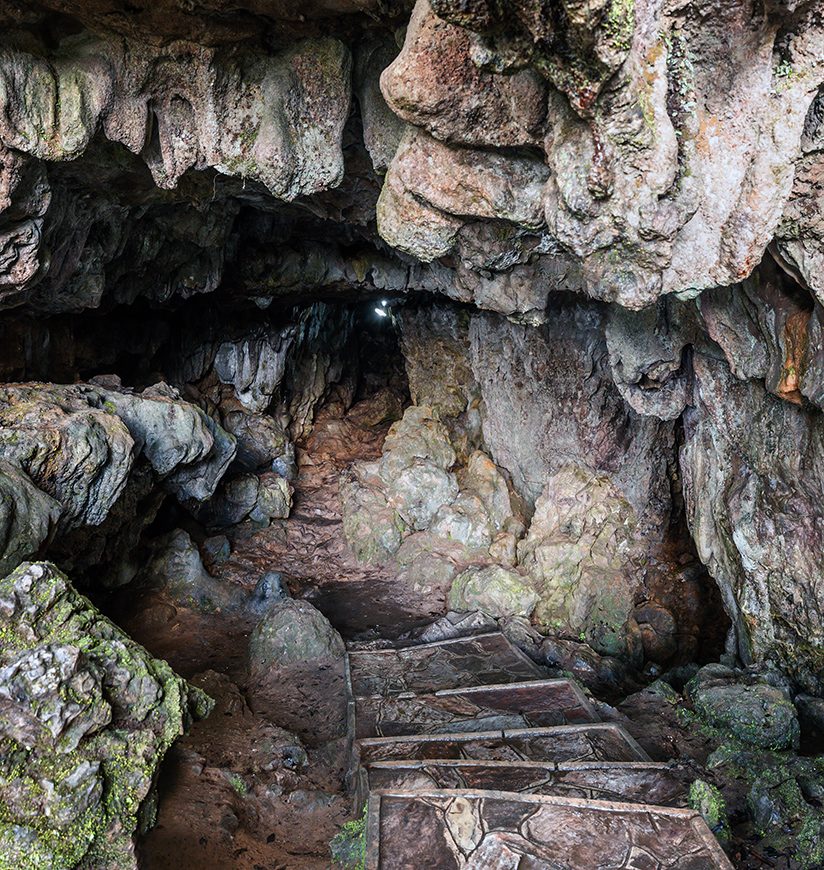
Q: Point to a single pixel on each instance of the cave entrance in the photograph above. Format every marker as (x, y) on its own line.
(401, 471)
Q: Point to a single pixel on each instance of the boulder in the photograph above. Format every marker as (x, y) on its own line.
(274, 500)
(294, 633)
(604, 675)
(755, 708)
(260, 438)
(296, 665)
(493, 590)
(419, 435)
(86, 716)
(419, 490)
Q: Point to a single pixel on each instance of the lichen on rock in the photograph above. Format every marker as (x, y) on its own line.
(86, 716)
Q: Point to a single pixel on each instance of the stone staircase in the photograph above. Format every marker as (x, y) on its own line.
(467, 756)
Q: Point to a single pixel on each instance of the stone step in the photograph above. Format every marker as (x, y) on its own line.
(651, 782)
(536, 703)
(462, 662)
(449, 830)
(598, 742)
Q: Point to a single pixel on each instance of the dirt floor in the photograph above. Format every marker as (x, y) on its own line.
(240, 791)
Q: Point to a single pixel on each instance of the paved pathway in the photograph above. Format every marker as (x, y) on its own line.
(469, 757)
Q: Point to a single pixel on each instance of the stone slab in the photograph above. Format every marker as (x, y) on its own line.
(650, 782)
(536, 703)
(597, 742)
(482, 660)
(450, 830)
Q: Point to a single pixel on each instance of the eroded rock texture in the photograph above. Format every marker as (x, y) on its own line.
(86, 716)
(659, 181)
(79, 453)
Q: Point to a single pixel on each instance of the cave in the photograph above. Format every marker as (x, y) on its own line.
(411, 435)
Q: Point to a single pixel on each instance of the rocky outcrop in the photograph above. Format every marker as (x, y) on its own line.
(579, 550)
(86, 716)
(637, 134)
(413, 488)
(76, 452)
(165, 105)
(549, 400)
(27, 516)
(755, 515)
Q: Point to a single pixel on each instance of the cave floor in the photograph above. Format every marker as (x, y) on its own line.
(238, 791)
(221, 802)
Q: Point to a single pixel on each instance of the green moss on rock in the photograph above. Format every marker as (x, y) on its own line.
(708, 800)
(73, 797)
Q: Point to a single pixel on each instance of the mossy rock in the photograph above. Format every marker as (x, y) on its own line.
(348, 847)
(75, 796)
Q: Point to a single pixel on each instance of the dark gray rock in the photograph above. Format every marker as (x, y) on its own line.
(752, 707)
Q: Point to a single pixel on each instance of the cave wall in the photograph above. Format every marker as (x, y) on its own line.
(606, 223)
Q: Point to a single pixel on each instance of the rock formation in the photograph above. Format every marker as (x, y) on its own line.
(504, 307)
(86, 716)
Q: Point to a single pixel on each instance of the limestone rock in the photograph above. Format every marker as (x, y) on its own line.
(248, 496)
(176, 567)
(754, 515)
(183, 444)
(639, 133)
(102, 83)
(549, 400)
(483, 479)
(39, 422)
(427, 565)
(435, 342)
(494, 591)
(600, 674)
(372, 527)
(274, 500)
(445, 186)
(659, 632)
(296, 662)
(464, 520)
(578, 551)
(96, 435)
(254, 366)
(293, 632)
(27, 515)
(419, 490)
(435, 84)
(260, 438)
(417, 456)
(86, 717)
(382, 129)
(418, 436)
(798, 242)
